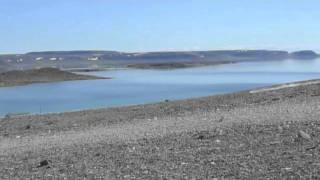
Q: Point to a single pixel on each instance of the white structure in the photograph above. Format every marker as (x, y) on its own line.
(93, 58)
(20, 60)
(53, 59)
(39, 58)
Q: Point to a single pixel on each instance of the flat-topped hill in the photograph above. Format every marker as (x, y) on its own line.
(107, 59)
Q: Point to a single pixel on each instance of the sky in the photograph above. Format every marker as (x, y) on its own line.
(158, 25)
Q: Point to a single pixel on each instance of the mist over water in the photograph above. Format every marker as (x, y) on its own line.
(130, 87)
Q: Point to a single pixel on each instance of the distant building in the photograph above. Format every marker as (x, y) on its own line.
(39, 58)
(93, 58)
(53, 59)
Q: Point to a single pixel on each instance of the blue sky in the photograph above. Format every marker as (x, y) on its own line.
(156, 25)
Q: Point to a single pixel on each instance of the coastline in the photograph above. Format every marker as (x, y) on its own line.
(178, 65)
(43, 75)
(273, 130)
(174, 108)
(73, 74)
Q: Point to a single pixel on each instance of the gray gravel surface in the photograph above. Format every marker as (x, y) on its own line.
(266, 135)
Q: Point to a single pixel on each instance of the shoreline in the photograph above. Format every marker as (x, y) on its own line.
(267, 134)
(43, 75)
(168, 108)
(265, 89)
(76, 76)
(178, 65)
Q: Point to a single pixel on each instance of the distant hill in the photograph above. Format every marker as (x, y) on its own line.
(102, 59)
(114, 55)
(304, 55)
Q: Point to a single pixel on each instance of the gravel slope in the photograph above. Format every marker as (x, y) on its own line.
(263, 135)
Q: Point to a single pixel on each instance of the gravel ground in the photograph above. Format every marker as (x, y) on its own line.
(264, 135)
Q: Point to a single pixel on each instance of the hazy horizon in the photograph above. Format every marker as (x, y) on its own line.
(144, 26)
(290, 51)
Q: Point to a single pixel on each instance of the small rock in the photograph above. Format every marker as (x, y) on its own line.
(218, 141)
(43, 163)
(221, 119)
(221, 132)
(49, 123)
(18, 137)
(311, 148)
(275, 142)
(287, 169)
(126, 176)
(200, 137)
(241, 145)
(304, 135)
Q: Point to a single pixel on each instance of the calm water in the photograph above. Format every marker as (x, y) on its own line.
(144, 86)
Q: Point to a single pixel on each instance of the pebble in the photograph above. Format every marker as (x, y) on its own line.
(287, 169)
(43, 163)
(304, 135)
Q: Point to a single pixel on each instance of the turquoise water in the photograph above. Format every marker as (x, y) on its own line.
(130, 87)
